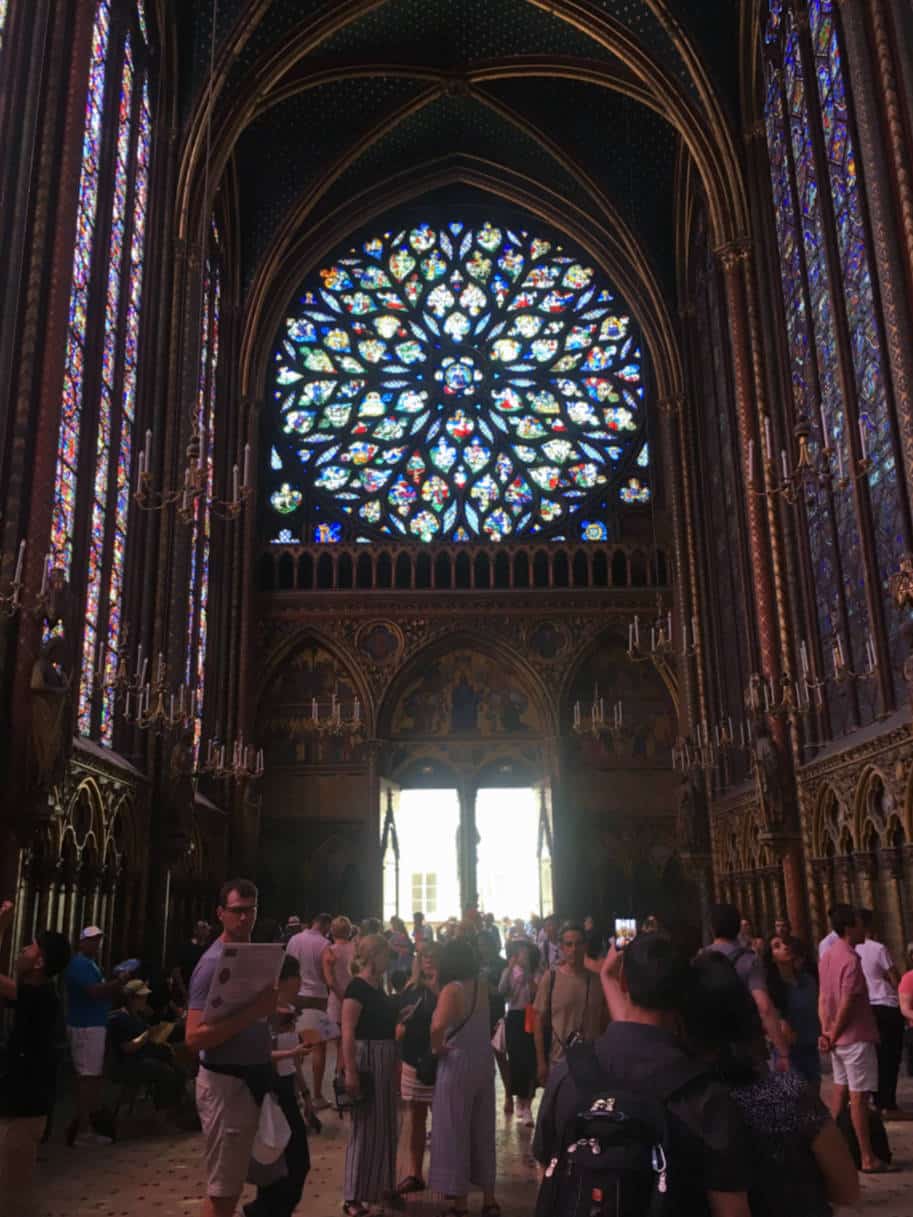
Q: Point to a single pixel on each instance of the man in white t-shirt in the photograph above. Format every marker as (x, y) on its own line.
(882, 979)
(314, 953)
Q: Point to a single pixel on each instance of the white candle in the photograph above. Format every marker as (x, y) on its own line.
(694, 632)
(147, 452)
(234, 484)
(630, 637)
(784, 464)
(314, 709)
(840, 462)
(17, 577)
(356, 716)
(862, 439)
(621, 714)
(825, 430)
(652, 638)
(637, 631)
(751, 462)
(803, 655)
(246, 480)
(768, 440)
(44, 574)
(669, 627)
(260, 761)
(127, 705)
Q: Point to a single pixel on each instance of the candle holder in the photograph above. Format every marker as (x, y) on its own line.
(243, 764)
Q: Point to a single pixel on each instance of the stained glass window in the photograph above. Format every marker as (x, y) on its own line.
(458, 383)
(868, 356)
(95, 444)
(3, 9)
(812, 301)
(201, 528)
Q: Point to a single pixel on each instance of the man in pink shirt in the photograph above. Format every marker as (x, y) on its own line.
(848, 1029)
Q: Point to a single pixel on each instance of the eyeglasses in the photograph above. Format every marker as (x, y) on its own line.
(241, 910)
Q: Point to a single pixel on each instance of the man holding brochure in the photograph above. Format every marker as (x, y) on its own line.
(232, 993)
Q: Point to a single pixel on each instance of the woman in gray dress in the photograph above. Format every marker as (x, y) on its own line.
(368, 1046)
(463, 1110)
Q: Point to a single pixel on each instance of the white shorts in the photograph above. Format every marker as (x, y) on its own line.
(856, 1066)
(229, 1115)
(87, 1049)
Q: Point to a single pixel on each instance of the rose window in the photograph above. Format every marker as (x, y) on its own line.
(460, 383)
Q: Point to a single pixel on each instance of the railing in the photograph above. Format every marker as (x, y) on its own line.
(331, 568)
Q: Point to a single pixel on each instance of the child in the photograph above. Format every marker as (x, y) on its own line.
(281, 1198)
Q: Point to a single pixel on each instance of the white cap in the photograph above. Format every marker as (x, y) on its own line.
(91, 931)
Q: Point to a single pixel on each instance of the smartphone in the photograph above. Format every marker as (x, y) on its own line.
(625, 929)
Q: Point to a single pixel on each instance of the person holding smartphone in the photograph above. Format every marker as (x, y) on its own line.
(569, 1003)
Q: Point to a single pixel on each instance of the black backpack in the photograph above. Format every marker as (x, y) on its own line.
(614, 1155)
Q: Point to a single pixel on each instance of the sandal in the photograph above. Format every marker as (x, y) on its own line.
(410, 1184)
(354, 1208)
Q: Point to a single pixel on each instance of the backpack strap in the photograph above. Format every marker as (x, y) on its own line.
(680, 1078)
(584, 1068)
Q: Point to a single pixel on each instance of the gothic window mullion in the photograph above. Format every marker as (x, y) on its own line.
(856, 650)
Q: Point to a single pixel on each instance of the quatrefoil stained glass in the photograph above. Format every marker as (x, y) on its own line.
(459, 383)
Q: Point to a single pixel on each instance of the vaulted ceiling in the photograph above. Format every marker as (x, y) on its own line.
(580, 107)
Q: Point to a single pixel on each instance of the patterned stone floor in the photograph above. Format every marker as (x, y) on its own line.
(152, 1173)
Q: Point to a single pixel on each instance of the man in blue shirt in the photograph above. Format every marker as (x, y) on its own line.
(89, 998)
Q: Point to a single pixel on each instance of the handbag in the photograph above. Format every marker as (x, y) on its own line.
(273, 1132)
(348, 1102)
(426, 1065)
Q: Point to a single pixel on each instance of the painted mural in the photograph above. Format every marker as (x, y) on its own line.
(648, 711)
(464, 693)
(310, 673)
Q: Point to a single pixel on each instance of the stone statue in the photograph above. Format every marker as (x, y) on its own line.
(772, 789)
(179, 793)
(51, 731)
(692, 827)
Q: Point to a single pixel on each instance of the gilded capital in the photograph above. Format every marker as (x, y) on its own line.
(734, 252)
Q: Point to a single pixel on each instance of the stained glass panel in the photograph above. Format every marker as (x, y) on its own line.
(201, 539)
(128, 407)
(3, 8)
(458, 383)
(64, 509)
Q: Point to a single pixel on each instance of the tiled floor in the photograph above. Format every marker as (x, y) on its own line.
(151, 1173)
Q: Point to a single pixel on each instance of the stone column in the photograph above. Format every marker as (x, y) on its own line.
(891, 863)
(821, 869)
(865, 864)
(843, 880)
(699, 869)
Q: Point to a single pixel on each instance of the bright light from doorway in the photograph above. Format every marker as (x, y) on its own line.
(427, 822)
(509, 872)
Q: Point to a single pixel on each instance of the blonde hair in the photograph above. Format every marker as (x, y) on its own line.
(369, 949)
(341, 929)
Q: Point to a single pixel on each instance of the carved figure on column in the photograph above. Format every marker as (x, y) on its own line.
(51, 735)
(179, 794)
(773, 790)
(692, 826)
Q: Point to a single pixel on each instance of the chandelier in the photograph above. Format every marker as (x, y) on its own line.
(595, 722)
(807, 472)
(242, 764)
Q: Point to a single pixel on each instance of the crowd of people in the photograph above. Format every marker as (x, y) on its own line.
(714, 1060)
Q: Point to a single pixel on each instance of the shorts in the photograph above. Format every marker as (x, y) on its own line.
(319, 1021)
(87, 1050)
(856, 1066)
(229, 1115)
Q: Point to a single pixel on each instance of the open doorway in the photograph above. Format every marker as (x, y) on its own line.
(427, 824)
(514, 867)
